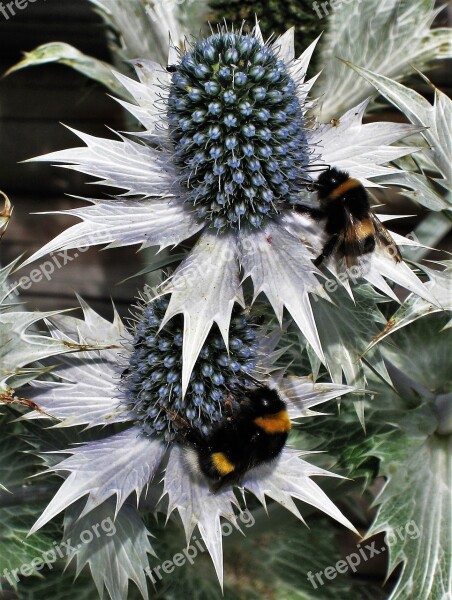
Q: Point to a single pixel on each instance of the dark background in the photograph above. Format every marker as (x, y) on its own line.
(33, 105)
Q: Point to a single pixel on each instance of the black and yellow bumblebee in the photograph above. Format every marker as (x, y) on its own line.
(254, 435)
(352, 228)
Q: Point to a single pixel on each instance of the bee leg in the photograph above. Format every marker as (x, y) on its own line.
(315, 213)
(327, 250)
(227, 480)
(228, 406)
(216, 487)
(184, 431)
(176, 418)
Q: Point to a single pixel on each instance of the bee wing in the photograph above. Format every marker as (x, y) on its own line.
(385, 238)
(352, 244)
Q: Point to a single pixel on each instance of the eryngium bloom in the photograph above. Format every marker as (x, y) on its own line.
(236, 123)
(152, 381)
(226, 149)
(90, 392)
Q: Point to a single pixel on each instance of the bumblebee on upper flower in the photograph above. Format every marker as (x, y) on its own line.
(226, 152)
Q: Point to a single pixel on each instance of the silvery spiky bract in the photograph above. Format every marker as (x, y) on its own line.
(166, 202)
(89, 393)
(22, 345)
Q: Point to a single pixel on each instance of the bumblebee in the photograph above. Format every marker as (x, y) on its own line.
(254, 435)
(352, 228)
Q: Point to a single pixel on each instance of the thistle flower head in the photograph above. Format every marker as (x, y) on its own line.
(236, 123)
(117, 464)
(203, 166)
(152, 386)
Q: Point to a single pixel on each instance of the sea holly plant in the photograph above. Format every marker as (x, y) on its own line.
(226, 152)
(227, 147)
(21, 344)
(407, 442)
(415, 455)
(140, 387)
(388, 37)
(23, 348)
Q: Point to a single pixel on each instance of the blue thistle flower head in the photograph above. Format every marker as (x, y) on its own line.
(152, 381)
(237, 128)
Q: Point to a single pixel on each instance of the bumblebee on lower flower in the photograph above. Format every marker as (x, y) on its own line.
(254, 435)
(237, 415)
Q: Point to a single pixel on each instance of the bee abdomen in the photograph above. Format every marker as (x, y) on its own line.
(222, 464)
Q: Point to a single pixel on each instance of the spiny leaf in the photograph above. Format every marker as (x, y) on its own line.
(143, 29)
(19, 348)
(57, 52)
(414, 307)
(347, 327)
(118, 551)
(416, 459)
(436, 119)
(16, 512)
(386, 36)
(414, 511)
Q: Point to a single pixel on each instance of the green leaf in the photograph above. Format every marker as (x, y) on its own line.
(19, 503)
(415, 456)
(384, 36)
(289, 556)
(414, 511)
(271, 561)
(57, 52)
(436, 119)
(414, 307)
(59, 586)
(115, 547)
(345, 330)
(275, 18)
(156, 265)
(341, 436)
(422, 353)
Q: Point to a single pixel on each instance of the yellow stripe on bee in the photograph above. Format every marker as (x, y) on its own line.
(221, 463)
(341, 189)
(277, 423)
(364, 229)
